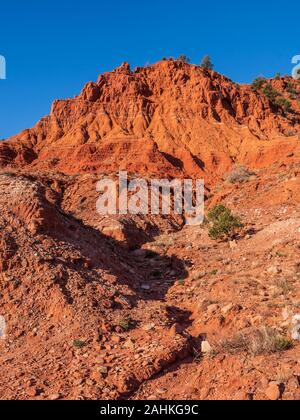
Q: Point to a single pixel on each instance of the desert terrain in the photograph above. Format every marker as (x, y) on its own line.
(146, 307)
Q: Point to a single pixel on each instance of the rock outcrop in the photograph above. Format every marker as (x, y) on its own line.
(169, 118)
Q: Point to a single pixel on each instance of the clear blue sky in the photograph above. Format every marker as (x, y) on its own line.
(54, 47)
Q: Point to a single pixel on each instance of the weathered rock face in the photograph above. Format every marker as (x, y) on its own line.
(170, 118)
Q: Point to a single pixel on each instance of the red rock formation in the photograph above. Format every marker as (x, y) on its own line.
(170, 118)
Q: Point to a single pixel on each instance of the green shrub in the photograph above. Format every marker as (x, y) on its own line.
(283, 344)
(270, 92)
(223, 223)
(259, 83)
(291, 89)
(276, 98)
(79, 344)
(126, 323)
(284, 104)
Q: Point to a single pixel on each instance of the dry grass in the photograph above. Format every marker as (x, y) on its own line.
(284, 286)
(240, 174)
(261, 341)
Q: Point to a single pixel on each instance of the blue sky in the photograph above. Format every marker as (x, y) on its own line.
(53, 48)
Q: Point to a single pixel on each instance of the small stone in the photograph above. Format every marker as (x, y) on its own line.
(54, 397)
(296, 328)
(273, 270)
(129, 344)
(116, 339)
(32, 391)
(145, 287)
(206, 347)
(211, 309)
(233, 244)
(273, 391)
(103, 370)
(152, 398)
(174, 330)
(148, 327)
(227, 309)
(286, 313)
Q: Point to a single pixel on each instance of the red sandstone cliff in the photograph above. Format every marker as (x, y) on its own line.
(171, 118)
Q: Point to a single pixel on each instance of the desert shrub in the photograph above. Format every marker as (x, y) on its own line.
(276, 99)
(206, 63)
(240, 174)
(264, 340)
(259, 83)
(126, 324)
(291, 89)
(283, 103)
(223, 223)
(270, 92)
(79, 344)
(184, 58)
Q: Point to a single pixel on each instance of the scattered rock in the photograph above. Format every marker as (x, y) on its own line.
(273, 270)
(103, 370)
(116, 339)
(148, 327)
(233, 245)
(129, 344)
(273, 391)
(227, 309)
(212, 309)
(296, 327)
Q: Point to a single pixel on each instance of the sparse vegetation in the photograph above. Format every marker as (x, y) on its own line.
(79, 344)
(284, 104)
(290, 88)
(284, 286)
(262, 341)
(126, 324)
(276, 99)
(223, 224)
(240, 174)
(259, 83)
(270, 92)
(206, 63)
(184, 59)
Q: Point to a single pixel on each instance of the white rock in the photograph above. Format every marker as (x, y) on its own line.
(296, 327)
(286, 314)
(2, 327)
(206, 347)
(227, 309)
(233, 244)
(273, 270)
